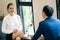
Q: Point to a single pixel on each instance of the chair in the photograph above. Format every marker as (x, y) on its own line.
(58, 38)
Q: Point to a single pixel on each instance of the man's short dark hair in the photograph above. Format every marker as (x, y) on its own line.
(48, 10)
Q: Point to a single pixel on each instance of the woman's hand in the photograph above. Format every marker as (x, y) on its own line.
(14, 31)
(17, 33)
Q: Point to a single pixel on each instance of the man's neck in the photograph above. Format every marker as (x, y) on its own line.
(45, 17)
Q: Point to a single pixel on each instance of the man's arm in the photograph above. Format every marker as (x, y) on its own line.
(38, 32)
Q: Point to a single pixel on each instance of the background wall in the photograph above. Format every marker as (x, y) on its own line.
(37, 8)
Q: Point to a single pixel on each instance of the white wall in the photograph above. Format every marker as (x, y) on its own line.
(37, 7)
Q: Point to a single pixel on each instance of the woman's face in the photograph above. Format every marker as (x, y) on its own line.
(11, 9)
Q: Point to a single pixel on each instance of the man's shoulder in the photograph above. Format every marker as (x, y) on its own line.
(41, 22)
(56, 20)
(44, 22)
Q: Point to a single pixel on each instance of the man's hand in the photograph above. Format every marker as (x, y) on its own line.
(41, 37)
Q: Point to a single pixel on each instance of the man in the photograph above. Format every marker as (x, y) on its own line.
(49, 27)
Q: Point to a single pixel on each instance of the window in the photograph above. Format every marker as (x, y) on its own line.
(25, 0)
(24, 9)
(58, 8)
(59, 13)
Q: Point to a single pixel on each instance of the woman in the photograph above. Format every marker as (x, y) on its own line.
(11, 25)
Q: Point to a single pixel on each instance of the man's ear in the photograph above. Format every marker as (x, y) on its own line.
(43, 14)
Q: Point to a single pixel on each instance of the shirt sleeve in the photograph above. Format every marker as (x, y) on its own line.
(4, 27)
(20, 27)
(38, 32)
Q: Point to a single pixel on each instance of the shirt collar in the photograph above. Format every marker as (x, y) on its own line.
(12, 15)
(46, 18)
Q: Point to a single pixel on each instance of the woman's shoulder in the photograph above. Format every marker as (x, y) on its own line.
(6, 16)
(17, 15)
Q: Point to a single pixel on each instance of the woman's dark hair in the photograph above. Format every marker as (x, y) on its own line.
(9, 5)
(48, 10)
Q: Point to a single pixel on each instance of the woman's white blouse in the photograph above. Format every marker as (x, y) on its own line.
(11, 23)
